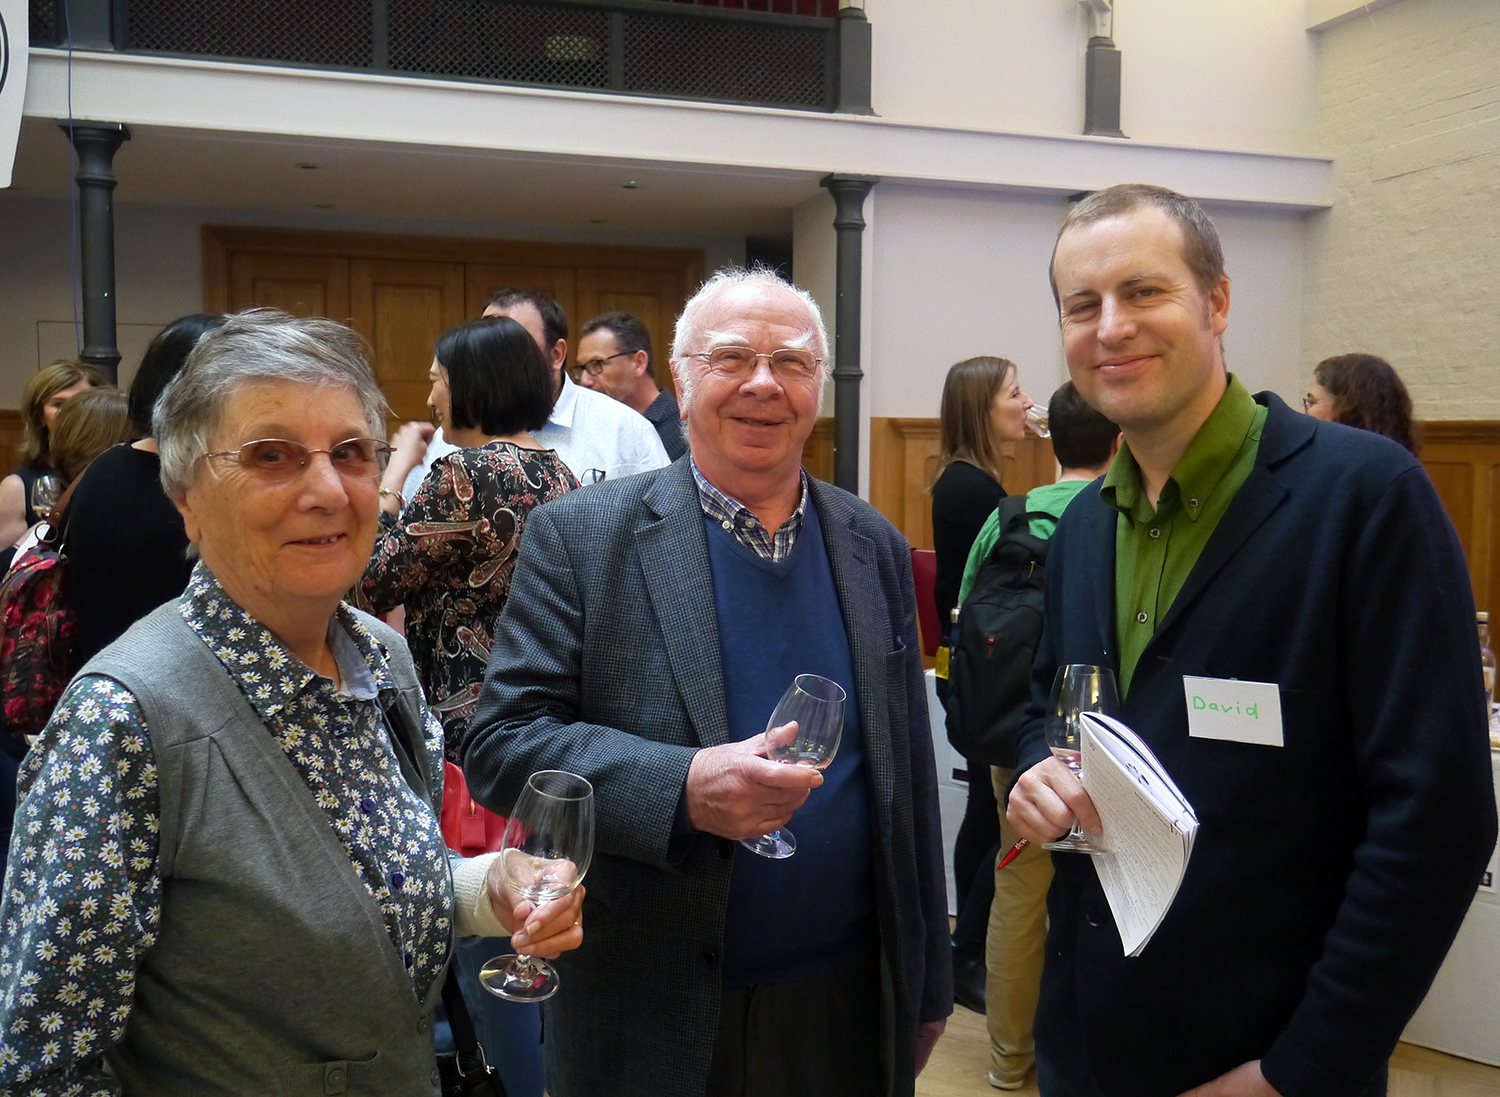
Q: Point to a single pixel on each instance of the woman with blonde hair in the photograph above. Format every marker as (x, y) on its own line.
(88, 424)
(983, 407)
(31, 490)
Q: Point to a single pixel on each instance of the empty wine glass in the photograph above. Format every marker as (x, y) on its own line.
(1078, 688)
(548, 843)
(815, 706)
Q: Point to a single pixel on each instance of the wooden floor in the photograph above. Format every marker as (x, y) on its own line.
(960, 1068)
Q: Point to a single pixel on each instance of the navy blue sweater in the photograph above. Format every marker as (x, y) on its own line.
(793, 918)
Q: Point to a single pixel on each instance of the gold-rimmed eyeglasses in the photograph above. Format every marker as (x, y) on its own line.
(738, 363)
(278, 459)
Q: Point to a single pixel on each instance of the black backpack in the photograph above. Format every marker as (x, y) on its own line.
(999, 624)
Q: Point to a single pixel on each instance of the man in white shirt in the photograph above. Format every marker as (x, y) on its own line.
(597, 438)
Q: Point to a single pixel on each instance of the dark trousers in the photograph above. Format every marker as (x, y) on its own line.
(974, 852)
(509, 1032)
(817, 1037)
(10, 764)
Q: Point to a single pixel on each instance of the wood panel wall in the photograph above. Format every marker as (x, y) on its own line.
(1462, 457)
(11, 434)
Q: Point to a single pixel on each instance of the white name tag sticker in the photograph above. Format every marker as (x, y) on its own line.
(1227, 708)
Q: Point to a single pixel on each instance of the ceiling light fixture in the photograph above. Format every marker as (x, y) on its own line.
(632, 185)
(305, 166)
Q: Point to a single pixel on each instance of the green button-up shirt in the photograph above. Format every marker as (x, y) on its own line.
(1155, 550)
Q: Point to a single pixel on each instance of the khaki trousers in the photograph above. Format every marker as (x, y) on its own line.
(1014, 948)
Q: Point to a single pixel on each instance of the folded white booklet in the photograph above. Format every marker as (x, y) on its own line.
(1149, 827)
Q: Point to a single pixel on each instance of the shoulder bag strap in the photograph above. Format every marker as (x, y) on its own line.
(475, 1076)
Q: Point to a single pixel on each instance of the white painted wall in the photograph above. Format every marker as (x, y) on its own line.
(1222, 74)
(1406, 263)
(959, 273)
(159, 268)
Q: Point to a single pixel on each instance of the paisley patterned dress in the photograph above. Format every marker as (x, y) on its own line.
(449, 559)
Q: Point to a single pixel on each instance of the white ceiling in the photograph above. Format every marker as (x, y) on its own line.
(238, 170)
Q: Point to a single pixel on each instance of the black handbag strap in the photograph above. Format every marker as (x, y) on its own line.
(476, 1077)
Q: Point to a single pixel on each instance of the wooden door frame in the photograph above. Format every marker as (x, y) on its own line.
(222, 242)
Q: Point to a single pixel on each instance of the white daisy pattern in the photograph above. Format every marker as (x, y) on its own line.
(82, 892)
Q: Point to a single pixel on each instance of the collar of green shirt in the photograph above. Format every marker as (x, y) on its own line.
(1196, 473)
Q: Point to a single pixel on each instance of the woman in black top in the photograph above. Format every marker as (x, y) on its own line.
(983, 406)
(127, 547)
(32, 488)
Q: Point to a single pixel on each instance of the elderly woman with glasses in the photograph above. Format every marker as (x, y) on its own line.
(228, 876)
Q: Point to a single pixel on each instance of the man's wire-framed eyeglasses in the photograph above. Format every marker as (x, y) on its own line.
(595, 366)
(278, 459)
(738, 363)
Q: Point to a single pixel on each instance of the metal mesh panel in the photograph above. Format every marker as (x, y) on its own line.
(827, 9)
(718, 59)
(329, 33)
(44, 28)
(513, 42)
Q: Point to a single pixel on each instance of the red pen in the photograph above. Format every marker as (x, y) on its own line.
(1015, 851)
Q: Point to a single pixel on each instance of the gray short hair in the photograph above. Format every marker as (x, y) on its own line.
(256, 345)
(688, 329)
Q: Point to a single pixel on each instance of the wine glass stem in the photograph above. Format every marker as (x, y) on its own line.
(524, 967)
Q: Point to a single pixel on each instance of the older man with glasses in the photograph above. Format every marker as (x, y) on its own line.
(653, 625)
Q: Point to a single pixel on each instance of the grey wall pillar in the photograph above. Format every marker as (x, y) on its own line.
(1101, 89)
(854, 46)
(849, 193)
(95, 144)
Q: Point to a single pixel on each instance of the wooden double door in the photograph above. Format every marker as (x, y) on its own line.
(400, 293)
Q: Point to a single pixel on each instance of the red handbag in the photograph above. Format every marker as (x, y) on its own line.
(467, 828)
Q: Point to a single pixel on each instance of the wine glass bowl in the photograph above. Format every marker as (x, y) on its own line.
(1076, 689)
(804, 730)
(545, 853)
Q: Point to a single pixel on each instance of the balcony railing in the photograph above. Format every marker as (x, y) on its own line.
(632, 47)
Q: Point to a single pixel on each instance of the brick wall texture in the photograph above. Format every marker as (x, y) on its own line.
(1406, 264)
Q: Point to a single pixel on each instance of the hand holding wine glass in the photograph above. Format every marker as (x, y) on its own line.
(548, 844)
(1077, 688)
(803, 730)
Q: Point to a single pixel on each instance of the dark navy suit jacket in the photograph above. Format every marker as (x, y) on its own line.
(1331, 874)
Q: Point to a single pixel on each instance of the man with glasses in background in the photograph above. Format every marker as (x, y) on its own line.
(614, 357)
(653, 624)
(596, 437)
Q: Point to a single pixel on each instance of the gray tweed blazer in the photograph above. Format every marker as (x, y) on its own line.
(606, 663)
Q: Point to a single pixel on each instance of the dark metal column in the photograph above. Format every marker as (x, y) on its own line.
(96, 143)
(849, 221)
(854, 46)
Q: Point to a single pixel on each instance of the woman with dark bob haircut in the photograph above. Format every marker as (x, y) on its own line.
(448, 553)
(1360, 390)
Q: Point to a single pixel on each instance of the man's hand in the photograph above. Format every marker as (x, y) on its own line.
(1244, 1080)
(927, 1038)
(549, 930)
(1046, 800)
(734, 791)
